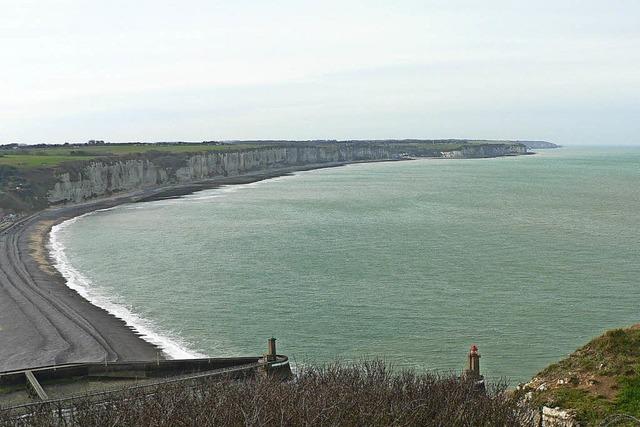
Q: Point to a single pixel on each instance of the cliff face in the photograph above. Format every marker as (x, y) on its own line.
(100, 178)
(489, 150)
(539, 144)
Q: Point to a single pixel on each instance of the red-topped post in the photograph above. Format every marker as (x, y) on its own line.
(474, 362)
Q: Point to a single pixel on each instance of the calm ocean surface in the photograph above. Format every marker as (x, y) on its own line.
(527, 257)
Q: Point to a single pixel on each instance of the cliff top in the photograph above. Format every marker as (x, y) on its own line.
(48, 156)
(45, 156)
(599, 379)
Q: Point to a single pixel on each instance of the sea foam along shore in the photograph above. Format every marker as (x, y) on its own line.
(145, 331)
(171, 345)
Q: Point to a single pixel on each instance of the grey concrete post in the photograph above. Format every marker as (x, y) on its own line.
(271, 350)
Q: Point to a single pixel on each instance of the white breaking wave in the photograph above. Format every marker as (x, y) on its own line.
(226, 189)
(171, 346)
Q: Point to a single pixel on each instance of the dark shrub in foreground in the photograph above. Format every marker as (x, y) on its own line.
(365, 394)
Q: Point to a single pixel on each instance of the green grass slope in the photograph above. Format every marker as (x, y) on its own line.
(598, 380)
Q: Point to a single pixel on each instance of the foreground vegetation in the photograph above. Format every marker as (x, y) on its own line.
(364, 394)
(597, 381)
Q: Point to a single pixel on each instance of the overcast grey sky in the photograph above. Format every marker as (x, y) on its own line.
(142, 70)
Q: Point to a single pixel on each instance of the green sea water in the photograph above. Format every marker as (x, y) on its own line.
(527, 257)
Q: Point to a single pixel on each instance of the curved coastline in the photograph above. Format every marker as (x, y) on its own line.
(170, 345)
(169, 342)
(44, 321)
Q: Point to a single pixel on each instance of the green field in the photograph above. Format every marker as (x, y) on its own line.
(34, 161)
(53, 156)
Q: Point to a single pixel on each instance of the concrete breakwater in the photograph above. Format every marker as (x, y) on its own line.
(105, 177)
(100, 382)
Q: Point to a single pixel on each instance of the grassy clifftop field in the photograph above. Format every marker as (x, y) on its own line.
(42, 156)
(46, 157)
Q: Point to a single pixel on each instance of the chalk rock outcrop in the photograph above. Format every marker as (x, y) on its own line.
(104, 177)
